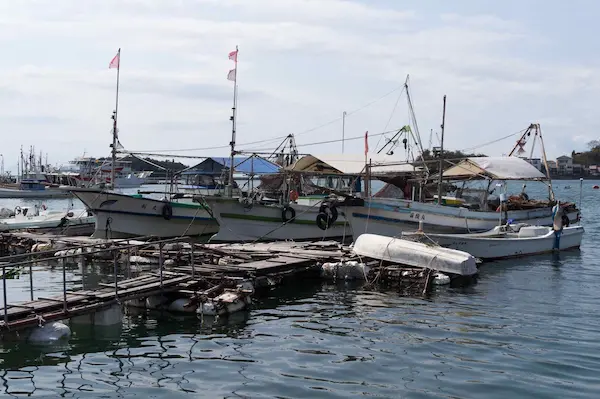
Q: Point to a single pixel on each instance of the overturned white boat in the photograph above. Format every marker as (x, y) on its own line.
(508, 241)
(416, 254)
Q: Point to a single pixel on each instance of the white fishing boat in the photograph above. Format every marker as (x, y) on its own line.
(507, 241)
(121, 216)
(416, 254)
(38, 219)
(392, 216)
(24, 192)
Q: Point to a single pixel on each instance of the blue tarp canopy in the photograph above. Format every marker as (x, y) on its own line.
(246, 165)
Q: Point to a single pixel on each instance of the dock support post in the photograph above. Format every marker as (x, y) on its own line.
(128, 260)
(31, 282)
(192, 260)
(160, 263)
(115, 266)
(4, 295)
(64, 270)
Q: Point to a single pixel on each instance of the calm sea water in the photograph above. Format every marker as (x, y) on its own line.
(527, 329)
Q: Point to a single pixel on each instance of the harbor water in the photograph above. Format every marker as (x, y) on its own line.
(528, 328)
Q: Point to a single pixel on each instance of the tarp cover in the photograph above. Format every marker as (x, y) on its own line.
(247, 165)
(496, 168)
(350, 164)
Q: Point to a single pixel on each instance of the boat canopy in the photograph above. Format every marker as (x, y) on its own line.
(495, 168)
(252, 165)
(350, 164)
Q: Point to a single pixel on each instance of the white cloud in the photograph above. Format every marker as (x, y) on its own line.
(302, 62)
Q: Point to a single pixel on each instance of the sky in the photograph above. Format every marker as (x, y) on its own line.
(302, 63)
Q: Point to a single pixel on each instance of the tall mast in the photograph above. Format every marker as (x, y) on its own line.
(115, 63)
(233, 76)
(441, 168)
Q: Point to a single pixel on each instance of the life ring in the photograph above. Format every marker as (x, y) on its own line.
(284, 214)
(18, 210)
(167, 211)
(294, 195)
(329, 210)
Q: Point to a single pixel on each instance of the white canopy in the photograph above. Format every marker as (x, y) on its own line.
(496, 168)
(350, 164)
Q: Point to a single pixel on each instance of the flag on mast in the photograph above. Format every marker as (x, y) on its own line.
(231, 75)
(114, 63)
(366, 142)
(233, 55)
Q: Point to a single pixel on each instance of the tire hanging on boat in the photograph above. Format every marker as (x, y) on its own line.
(167, 211)
(327, 216)
(284, 214)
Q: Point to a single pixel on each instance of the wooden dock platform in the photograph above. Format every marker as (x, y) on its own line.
(202, 270)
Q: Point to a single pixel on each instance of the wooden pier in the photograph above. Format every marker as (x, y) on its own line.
(199, 271)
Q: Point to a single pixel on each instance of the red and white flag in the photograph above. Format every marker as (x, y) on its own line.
(366, 142)
(115, 61)
(231, 75)
(233, 55)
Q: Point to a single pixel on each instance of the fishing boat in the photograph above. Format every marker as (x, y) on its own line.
(90, 171)
(469, 210)
(507, 241)
(119, 215)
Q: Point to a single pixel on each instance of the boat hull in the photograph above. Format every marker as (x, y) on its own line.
(265, 222)
(122, 216)
(391, 217)
(491, 248)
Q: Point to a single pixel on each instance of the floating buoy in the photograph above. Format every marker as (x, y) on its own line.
(441, 279)
(156, 302)
(182, 305)
(596, 187)
(50, 332)
(351, 270)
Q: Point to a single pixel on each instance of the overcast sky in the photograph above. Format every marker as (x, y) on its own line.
(302, 63)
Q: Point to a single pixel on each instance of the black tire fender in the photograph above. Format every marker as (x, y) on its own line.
(167, 211)
(284, 214)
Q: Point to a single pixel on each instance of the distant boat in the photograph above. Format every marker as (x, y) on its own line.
(567, 187)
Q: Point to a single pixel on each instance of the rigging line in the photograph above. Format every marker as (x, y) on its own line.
(282, 136)
(328, 141)
(391, 115)
(493, 141)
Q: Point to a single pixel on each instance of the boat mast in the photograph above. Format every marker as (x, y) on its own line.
(233, 76)
(115, 63)
(441, 168)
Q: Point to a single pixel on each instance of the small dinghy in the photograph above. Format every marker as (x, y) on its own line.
(40, 218)
(507, 241)
(415, 254)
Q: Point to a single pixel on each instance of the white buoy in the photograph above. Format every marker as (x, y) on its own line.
(226, 303)
(156, 302)
(351, 270)
(441, 279)
(180, 305)
(50, 332)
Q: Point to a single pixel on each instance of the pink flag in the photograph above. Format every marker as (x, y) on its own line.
(115, 61)
(231, 75)
(366, 142)
(233, 55)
